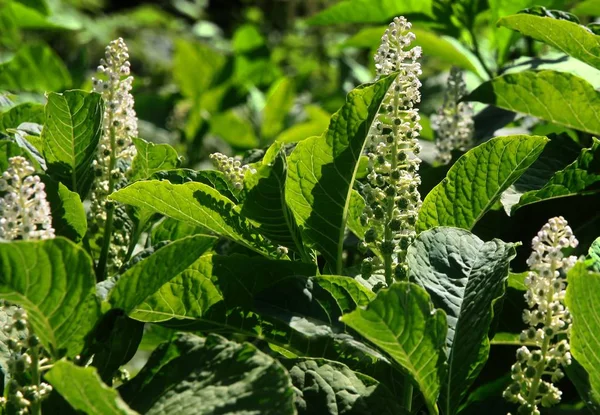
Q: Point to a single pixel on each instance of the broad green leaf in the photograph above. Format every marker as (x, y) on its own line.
(476, 181)
(172, 229)
(328, 387)
(68, 215)
(583, 295)
(54, 281)
(35, 68)
(402, 322)
(557, 97)
(370, 11)
(8, 149)
(279, 102)
(234, 130)
(587, 8)
(212, 178)
(71, 134)
(578, 178)
(151, 158)
(197, 377)
(355, 210)
(464, 276)
(197, 204)
(571, 38)
(147, 276)
(593, 257)
(196, 67)
(581, 380)
(321, 171)
(264, 201)
(247, 38)
(85, 392)
(433, 45)
(26, 112)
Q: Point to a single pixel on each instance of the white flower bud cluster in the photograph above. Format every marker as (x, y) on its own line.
(24, 210)
(453, 123)
(24, 350)
(391, 195)
(231, 167)
(548, 318)
(116, 150)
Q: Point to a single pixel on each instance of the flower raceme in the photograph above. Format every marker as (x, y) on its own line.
(233, 169)
(116, 150)
(24, 210)
(548, 319)
(391, 194)
(453, 123)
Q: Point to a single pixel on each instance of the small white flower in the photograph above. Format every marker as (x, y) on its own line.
(232, 168)
(24, 210)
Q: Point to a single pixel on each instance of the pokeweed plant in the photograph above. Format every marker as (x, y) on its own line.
(324, 276)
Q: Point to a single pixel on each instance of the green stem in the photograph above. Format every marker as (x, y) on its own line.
(407, 395)
(478, 54)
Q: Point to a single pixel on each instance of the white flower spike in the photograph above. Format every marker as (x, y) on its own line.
(232, 168)
(549, 321)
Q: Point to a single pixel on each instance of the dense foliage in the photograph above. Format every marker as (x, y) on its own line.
(332, 207)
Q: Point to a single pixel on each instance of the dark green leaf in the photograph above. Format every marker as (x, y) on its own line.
(558, 97)
(402, 322)
(464, 277)
(147, 276)
(8, 149)
(70, 135)
(26, 112)
(151, 158)
(212, 178)
(197, 377)
(68, 215)
(54, 281)
(593, 258)
(321, 171)
(571, 38)
(83, 389)
(476, 181)
(581, 380)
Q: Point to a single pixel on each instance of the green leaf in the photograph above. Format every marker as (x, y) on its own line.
(587, 8)
(280, 99)
(8, 149)
(476, 181)
(25, 112)
(370, 11)
(328, 387)
(147, 276)
(197, 377)
(402, 322)
(212, 178)
(264, 201)
(464, 276)
(172, 229)
(571, 38)
(70, 135)
(321, 171)
(578, 178)
(583, 295)
(83, 389)
(557, 97)
(196, 67)
(197, 204)
(35, 68)
(151, 158)
(581, 380)
(593, 257)
(54, 281)
(247, 38)
(234, 130)
(68, 215)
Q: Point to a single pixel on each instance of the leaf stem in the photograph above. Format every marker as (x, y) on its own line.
(407, 395)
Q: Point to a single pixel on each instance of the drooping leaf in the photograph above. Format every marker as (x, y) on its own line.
(279, 101)
(197, 204)
(147, 276)
(370, 11)
(68, 215)
(328, 387)
(197, 377)
(558, 97)
(151, 158)
(71, 134)
(569, 37)
(476, 181)
(321, 171)
(26, 112)
(464, 276)
(83, 389)
(402, 322)
(583, 294)
(35, 68)
(578, 178)
(54, 281)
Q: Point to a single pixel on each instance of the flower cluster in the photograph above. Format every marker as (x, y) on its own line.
(548, 319)
(454, 121)
(24, 364)
(391, 194)
(24, 210)
(116, 149)
(232, 168)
